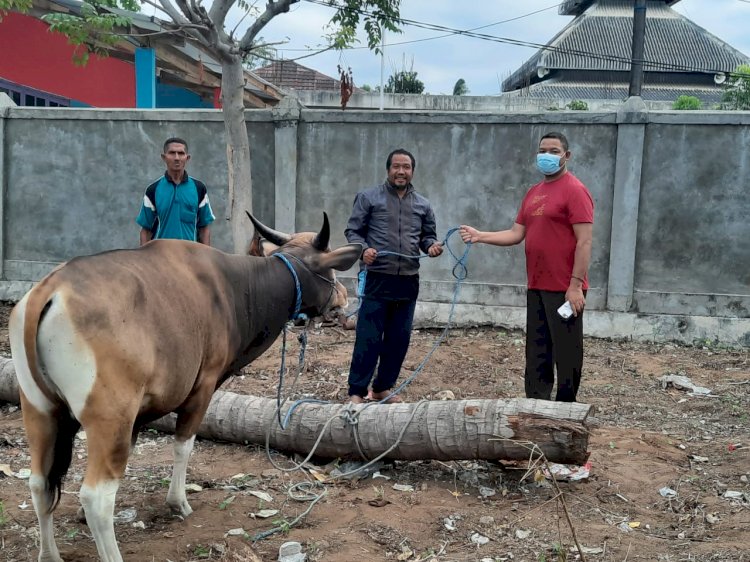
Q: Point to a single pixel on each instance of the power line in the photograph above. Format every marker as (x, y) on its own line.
(518, 42)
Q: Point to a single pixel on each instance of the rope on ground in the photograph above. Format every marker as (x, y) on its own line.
(351, 417)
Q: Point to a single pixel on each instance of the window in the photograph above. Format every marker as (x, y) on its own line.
(30, 97)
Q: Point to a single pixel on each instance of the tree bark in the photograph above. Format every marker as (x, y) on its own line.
(440, 430)
(240, 192)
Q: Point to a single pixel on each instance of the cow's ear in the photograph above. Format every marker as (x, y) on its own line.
(255, 247)
(342, 258)
(267, 248)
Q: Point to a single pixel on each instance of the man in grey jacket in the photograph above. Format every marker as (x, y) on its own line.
(391, 219)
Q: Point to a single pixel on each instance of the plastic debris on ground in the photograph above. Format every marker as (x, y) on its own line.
(681, 382)
(567, 472)
(125, 516)
(667, 492)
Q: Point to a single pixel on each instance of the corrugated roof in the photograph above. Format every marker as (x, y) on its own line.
(601, 40)
(569, 90)
(576, 7)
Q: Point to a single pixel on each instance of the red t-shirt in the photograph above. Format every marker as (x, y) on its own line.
(548, 212)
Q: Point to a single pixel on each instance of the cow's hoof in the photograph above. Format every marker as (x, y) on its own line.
(81, 515)
(182, 508)
(49, 557)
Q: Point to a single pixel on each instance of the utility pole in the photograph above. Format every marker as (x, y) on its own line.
(639, 37)
(382, 68)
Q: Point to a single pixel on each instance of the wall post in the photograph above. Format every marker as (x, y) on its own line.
(286, 117)
(631, 135)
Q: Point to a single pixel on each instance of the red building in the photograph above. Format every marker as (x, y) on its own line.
(37, 68)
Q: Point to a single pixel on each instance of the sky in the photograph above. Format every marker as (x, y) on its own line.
(440, 62)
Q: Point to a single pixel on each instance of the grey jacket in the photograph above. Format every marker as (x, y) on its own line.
(382, 220)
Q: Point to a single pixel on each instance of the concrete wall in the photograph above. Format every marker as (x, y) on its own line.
(326, 99)
(671, 257)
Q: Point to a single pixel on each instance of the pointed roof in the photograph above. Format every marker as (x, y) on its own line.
(598, 43)
(290, 74)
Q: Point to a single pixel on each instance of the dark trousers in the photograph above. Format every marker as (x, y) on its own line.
(383, 334)
(552, 342)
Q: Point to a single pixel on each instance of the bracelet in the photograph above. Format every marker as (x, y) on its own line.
(574, 277)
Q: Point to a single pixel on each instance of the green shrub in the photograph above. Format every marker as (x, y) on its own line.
(578, 105)
(686, 103)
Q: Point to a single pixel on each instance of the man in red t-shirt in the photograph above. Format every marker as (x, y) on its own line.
(556, 220)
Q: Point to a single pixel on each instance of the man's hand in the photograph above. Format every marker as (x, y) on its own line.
(469, 234)
(435, 250)
(575, 296)
(369, 256)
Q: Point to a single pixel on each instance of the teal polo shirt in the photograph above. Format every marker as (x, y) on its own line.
(172, 210)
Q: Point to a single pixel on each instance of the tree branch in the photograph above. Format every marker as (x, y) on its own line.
(273, 9)
(219, 10)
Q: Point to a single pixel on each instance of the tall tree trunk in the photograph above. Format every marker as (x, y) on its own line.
(442, 430)
(240, 195)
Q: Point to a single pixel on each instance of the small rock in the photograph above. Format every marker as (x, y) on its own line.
(125, 516)
(235, 532)
(743, 479)
(478, 539)
(271, 473)
(139, 525)
(521, 534)
(403, 487)
(449, 523)
(712, 518)
(193, 488)
(487, 520)
(486, 492)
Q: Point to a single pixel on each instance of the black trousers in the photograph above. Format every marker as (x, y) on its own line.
(383, 334)
(552, 342)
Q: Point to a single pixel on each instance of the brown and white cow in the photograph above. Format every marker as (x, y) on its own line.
(113, 341)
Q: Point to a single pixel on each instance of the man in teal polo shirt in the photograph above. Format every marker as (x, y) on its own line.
(176, 205)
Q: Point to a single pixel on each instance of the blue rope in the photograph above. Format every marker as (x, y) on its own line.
(297, 288)
(296, 315)
(460, 273)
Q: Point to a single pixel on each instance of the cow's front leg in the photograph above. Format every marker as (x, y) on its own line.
(176, 498)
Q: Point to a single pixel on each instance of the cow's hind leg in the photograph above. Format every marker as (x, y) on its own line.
(51, 444)
(189, 418)
(108, 447)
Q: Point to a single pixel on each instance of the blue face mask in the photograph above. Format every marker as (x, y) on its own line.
(548, 164)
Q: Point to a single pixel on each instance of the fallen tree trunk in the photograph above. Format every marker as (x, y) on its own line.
(441, 430)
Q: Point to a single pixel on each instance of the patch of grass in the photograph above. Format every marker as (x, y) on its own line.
(226, 503)
(201, 551)
(283, 526)
(3, 516)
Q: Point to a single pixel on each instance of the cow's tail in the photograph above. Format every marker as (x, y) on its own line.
(62, 425)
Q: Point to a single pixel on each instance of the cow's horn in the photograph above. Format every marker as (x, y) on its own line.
(324, 236)
(273, 236)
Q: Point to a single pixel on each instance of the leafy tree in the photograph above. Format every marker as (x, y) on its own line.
(404, 82)
(737, 89)
(100, 24)
(460, 88)
(686, 103)
(366, 87)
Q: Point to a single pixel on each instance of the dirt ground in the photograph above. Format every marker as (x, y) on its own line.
(644, 438)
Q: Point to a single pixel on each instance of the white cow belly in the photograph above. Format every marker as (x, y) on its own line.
(65, 357)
